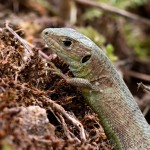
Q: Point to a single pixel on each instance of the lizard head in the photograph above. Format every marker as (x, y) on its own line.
(73, 47)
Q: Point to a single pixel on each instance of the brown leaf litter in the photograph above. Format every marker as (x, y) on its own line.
(35, 103)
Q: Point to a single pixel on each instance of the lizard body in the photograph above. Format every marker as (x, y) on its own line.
(104, 90)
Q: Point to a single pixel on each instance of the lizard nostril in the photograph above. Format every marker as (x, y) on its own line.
(46, 33)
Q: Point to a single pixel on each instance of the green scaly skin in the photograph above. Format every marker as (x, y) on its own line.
(102, 87)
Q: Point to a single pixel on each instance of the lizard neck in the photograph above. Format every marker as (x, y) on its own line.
(115, 106)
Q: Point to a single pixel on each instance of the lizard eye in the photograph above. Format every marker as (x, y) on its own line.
(86, 58)
(67, 42)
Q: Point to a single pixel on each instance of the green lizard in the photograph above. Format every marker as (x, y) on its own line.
(104, 90)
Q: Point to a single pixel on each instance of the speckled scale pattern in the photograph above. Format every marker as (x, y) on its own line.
(120, 115)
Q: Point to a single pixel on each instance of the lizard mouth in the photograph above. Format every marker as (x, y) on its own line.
(54, 46)
(51, 43)
(47, 38)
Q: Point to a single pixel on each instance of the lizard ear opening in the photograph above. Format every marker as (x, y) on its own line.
(86, 58)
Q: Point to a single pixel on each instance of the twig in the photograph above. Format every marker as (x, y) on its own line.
(27, 45)
(144, 87)
(138, 75)
(18, 37)
(115, 10)
(54, 68)
(74, 121)
(16, 5)
(147, 89)
(146, 110)
(66, 130)
(53, 105)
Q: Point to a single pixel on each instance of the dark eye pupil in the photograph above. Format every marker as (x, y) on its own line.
(67, 43)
